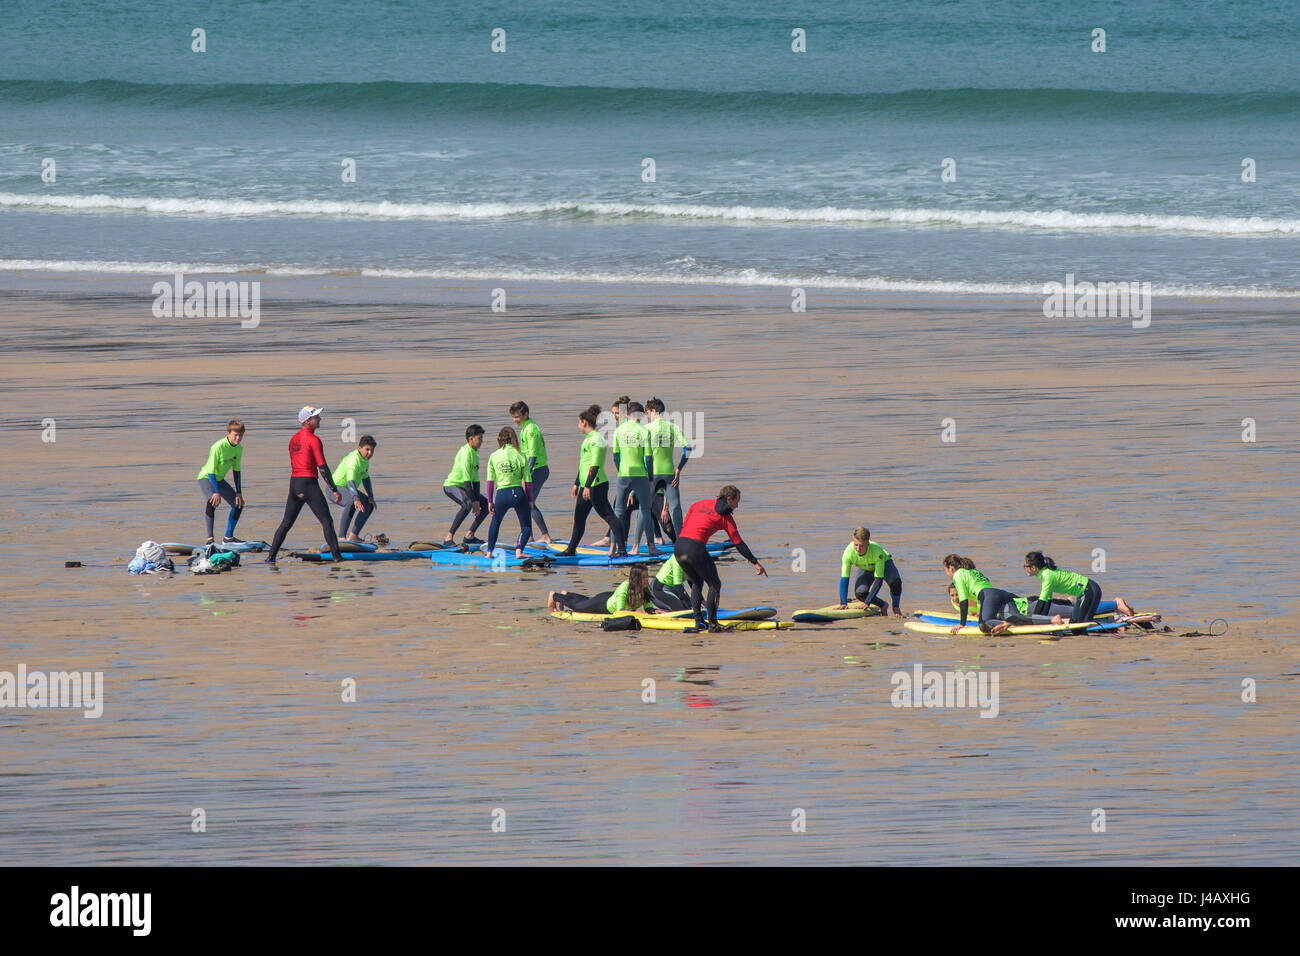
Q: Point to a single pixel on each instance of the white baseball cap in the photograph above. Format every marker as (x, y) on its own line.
(308, 412)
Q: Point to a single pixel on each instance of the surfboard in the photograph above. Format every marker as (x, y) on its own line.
(744, 614)
(1103, 609)
(362, 555)
(831, 613)
(245, 547)
(973, 630)
(501, 559)
(663, 622)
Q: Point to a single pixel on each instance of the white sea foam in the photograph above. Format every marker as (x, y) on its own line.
(740, 277)
(1012, 219)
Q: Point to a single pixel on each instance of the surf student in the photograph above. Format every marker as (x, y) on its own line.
(591, 488)
(704, 519)
(632, 594)
(306, 460)
(665, 438)
(462, 487)
(635, 463)
(508, 488)
(1052, 580)
(620, 403)
(224, 457)
(972, 585)
(666, 590)
(533, 447)
(1016, 611)
(877, 568)
(354, 468)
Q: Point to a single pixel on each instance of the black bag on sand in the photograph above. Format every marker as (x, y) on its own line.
(623, 623)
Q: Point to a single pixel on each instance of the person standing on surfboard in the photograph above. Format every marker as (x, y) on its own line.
(225, 456)
(665, 437)
(591, 488)
(306, 460)
(509, 489)
(972, 585)
(635, 462)
(533, 447)
(877, 568)
(620, 404)
(462, 487)
(705, 519)
(1052, 580)
(354, 469)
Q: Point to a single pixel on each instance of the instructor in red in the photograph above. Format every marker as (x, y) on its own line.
(704, 520)
(307, 459)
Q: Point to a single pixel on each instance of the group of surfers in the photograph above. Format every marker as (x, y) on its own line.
(648, 470)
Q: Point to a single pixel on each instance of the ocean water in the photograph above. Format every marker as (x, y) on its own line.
(771, 167)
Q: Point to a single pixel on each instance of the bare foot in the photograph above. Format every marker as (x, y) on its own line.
(1057, 619)
(999, 628)
(1123, 607)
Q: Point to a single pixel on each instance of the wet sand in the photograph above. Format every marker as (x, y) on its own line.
(224, 692)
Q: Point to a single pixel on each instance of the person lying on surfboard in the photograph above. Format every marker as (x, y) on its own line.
(462, 487)
(354, 469)
(877, 568)
(971, 585)
(224, 457)
(632, 594)
(1052, 580)
(704, 520)
(1016, 611)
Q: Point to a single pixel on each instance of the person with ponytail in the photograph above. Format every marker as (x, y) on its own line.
(632, 595)
(704, 520)
(591, 488)
(1052, 580)
(509, 488)
(970, 585)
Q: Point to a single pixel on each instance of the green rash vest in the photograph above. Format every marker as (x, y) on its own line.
(464, 470)
(632, 445)
(873, 560)
(1059, 582)
(353, 468)
(970, 583)
(618, 600)
(1021, 603)
(223, 457)
(532, 444)
(671, 574)
(591, 456)
(507, 468)
(666, 438)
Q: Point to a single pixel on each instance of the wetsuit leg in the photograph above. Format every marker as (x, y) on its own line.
(618, 493)
(862, 588)
(700, 569)
(209, 512)
(992, 600)
(669, 597)
(500, 504)
(315, 499)
(349, 509)
(361, 517)
(674, 498)
(644, 521)
(522, 508)
(1086, 606)
(600, 501)
(464, 501)
(581, 508)
(291, 508)
(596, 604)
(539, 478)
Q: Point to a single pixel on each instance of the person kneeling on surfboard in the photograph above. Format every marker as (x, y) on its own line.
(632, 594)
(704, 520)
(1055, 581)
(972, 585)
(306, 459)
(666, 589)
(461, 486)
(224, 456)
(355, 467)
(877, 568)
(509, 489)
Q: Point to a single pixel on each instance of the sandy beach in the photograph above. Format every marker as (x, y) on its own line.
(223, 692)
